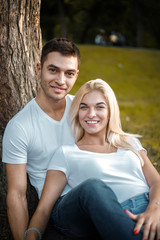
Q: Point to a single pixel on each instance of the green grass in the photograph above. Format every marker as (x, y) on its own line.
(134, 75)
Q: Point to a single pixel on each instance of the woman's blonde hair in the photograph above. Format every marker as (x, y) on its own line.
(114, 133)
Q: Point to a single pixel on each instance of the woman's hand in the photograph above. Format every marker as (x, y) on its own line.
(150, 219)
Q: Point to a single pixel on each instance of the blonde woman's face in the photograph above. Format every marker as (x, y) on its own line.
(94, 113)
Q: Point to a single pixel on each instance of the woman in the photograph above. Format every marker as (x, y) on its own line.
(107, 171)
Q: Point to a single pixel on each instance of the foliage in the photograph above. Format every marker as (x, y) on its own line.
(81, 20)
(134, 76)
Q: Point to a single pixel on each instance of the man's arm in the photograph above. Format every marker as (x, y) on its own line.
(17, 208)
(54, 184)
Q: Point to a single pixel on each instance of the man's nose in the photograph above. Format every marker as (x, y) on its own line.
(61, 79)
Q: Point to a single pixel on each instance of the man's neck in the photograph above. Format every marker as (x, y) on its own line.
(54, 109)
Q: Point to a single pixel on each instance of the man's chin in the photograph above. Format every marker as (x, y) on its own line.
(58, 97)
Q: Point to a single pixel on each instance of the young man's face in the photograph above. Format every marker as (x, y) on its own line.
(58, 75)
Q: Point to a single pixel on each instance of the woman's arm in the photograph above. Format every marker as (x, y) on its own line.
(151, 217)
(53, 187)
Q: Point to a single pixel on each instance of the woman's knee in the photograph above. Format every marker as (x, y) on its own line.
(95, 187)
(93, 183)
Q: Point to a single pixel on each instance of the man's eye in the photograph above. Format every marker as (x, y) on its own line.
(70, 74)
(52, 70)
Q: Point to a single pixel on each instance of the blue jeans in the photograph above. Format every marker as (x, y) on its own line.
(92, 208)
(137, 204)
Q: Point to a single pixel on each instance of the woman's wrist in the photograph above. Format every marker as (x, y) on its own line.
(154, 205)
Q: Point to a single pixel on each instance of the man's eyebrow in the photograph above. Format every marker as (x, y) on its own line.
(72, 70)
(54, 66)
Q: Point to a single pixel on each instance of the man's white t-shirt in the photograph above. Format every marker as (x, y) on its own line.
(121, 170)
(31, 137)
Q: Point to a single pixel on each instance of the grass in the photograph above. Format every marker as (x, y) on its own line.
(134, 75)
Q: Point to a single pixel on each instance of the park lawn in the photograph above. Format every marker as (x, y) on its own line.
(134, 75)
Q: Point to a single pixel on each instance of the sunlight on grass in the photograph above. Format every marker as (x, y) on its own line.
(134, 75)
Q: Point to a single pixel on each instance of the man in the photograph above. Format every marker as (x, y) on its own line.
(32, 135)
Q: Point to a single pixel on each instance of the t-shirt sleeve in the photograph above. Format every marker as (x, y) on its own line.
(137, 145)
(14, 144)
(59, 162)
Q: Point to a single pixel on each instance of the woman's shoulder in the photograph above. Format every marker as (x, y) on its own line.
(136, 144)
(68, 148)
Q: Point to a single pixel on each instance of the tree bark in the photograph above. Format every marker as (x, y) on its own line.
(20, 46)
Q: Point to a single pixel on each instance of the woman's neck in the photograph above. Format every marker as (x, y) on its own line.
(92, 140)
(95, 144)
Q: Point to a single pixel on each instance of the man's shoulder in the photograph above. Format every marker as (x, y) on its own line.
(23, 115)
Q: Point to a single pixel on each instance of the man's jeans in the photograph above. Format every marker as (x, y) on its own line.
(92, 208)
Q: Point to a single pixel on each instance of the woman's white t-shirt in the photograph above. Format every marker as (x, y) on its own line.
(121, 170)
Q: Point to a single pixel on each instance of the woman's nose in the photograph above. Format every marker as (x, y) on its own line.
(91, 113)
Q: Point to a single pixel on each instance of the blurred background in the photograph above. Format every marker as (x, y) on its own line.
(119, 42)
(136, 21)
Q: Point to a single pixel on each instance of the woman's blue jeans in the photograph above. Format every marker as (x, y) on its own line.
(137, 204)
(92, 208)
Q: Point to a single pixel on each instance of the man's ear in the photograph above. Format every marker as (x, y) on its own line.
(77, 73)
(38, 69)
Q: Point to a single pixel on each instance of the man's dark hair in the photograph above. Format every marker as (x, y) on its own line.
(61, 45)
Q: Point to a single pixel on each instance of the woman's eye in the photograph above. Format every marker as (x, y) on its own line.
(83, 107)
(100, 107)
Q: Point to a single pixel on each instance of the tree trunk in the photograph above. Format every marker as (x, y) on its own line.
(62, 18)
(139, 24)
(20, 46)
